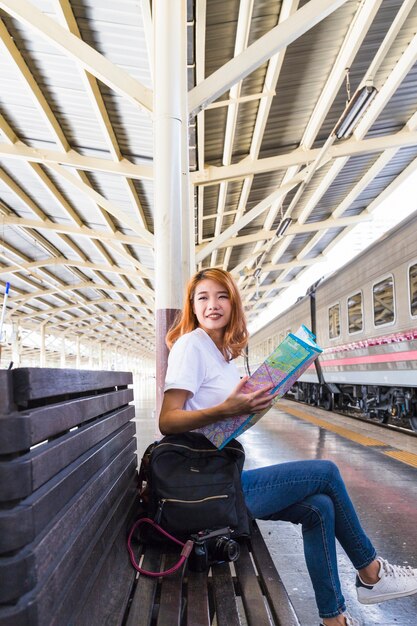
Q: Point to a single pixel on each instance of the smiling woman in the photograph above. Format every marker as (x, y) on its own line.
(208, 336)
(202, 387)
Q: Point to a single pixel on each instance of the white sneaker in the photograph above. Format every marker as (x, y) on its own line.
(350, 620)
(395, 581)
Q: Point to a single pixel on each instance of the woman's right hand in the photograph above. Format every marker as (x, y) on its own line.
(241, 403)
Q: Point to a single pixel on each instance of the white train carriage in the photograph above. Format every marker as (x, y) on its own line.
(365, 319)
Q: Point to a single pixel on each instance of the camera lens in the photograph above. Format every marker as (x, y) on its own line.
(226, 549)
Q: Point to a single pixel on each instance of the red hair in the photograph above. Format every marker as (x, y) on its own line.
(236, 333)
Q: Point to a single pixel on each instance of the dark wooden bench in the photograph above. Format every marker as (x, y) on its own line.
(68, 495)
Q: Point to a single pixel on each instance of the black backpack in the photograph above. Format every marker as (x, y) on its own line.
(192, 486)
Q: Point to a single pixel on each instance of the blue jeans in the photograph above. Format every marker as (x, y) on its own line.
(313, 494)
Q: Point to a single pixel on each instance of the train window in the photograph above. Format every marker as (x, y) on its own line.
(355, 313)
(334, 321)
(383, 300)
(412, 280)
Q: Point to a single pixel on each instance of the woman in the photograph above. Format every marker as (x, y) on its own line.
(203, 386)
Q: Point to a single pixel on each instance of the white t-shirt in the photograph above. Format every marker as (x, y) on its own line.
(197, 365)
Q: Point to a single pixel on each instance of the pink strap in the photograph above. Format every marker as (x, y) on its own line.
(185, 552)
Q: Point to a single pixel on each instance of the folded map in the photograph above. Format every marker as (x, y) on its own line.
(282, 368)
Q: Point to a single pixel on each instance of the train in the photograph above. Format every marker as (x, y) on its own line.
(364, 317)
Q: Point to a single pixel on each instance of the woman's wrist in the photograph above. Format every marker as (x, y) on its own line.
(211, 414)
(222, 411)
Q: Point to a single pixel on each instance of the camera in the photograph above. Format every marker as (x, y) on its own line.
(212, 546)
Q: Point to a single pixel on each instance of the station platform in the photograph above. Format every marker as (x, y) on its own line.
(379, 468)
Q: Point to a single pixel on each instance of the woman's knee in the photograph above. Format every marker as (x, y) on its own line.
(329, 471)
(319, 509)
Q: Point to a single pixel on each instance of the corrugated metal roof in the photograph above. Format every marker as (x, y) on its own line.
(80, 273)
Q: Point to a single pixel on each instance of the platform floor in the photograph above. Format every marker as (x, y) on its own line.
(379, 468)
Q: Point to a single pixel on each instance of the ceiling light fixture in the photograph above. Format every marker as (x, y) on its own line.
(282, 227)
(354, 110)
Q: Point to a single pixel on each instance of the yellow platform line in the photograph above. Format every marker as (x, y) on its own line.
(405, 457)
(344, 432)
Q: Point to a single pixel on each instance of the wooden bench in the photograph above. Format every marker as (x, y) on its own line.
(68, 495)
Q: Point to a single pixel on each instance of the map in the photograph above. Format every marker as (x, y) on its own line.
(282, 368)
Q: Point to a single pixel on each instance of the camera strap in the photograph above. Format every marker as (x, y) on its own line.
(185, 552)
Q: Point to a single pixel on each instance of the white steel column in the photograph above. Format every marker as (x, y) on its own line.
(77, 353)
(63, 353)
(16, 344)
(42, 362)
(172, 231)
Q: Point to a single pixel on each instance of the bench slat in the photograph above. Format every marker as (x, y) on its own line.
(35, 383)
(32, 565)
(198, 613)
(21, 430)
(141, 609)
(280, 605)
(252, 597)
(21, 524)
(88, 572)
(108, 607)
(224, 596)
(171, 595)
(6, 392)
(50, 605)
(23, 475)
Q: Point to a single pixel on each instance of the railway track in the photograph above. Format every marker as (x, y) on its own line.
(357, 416)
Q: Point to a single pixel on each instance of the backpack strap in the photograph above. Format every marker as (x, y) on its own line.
(185, 552)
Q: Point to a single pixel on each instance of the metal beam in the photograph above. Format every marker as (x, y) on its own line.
(352, 147)
(241, 42)
(110, 74)
(394, 80)
(271, 267)
(72, 158)
(295, 229)
(105, 204)
(262, 206)
(357, 32)
(73, 230)
(62, 261)
(53, 311)
(260, 51)
(34, 90)
(269, 88)
(55, 192)
(88, 284)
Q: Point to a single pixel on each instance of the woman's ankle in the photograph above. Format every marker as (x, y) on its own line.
(339, 620)
(370, 574)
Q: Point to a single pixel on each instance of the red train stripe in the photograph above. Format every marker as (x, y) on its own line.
(407, 355)
(408, 335)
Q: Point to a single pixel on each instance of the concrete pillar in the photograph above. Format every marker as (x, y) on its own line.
(172, 221)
